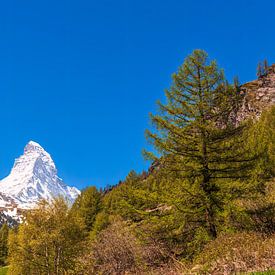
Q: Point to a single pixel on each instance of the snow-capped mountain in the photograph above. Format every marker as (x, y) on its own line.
(34, 177)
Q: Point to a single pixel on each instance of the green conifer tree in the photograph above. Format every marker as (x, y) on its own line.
(87, 206)
(259, 70)
(198, 143)
(4, 233)
(265, 67)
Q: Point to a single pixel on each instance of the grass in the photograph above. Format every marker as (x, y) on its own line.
(269, 272)
(4, 270)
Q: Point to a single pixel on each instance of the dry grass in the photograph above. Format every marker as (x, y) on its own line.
(239, 252)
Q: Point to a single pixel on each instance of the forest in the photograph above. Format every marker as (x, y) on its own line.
(205, 206)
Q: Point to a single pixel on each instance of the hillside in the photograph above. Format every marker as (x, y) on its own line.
(164, 210)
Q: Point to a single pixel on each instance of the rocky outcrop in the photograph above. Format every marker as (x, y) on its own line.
(257, 96)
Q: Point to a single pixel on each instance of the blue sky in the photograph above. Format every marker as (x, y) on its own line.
(80, 77)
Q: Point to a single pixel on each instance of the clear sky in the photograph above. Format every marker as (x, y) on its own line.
(80, 77)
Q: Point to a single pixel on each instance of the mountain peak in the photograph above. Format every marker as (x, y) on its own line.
(33, 146)
(34, 177)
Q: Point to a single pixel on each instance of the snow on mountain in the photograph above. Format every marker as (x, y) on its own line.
(34, 177)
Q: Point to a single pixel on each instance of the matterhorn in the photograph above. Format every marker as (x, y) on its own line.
(32, 178)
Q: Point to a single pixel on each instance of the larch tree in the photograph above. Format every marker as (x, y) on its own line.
(87, 205)
(48, 242)
(198, 143)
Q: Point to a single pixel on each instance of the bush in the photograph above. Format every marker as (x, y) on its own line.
(238, 252)
(118, 250)
(115, 251)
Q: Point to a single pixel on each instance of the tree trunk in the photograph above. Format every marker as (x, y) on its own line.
(211, 224)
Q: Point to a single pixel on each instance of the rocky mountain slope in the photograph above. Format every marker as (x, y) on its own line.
(32, 178)
(258, 95)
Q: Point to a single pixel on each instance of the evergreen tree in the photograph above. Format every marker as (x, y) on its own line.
(4, 232)
(262, 69)
(129, 199)
(199, 145)
(265, 67)
(87, 206)
(259, 70)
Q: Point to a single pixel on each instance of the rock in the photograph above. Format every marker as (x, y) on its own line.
(257, 96)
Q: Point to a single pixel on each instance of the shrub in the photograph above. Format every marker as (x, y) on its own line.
(238, 252)
(116, 250)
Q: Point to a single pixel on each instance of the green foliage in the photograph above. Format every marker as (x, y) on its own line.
(268, 272)
(130, 199)
(4, 270)
(87, 205)
(48, 242)
(209, 170)
(101, 222)
(202, 151)
(257, 210)
(261, 139)
(4, 232)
